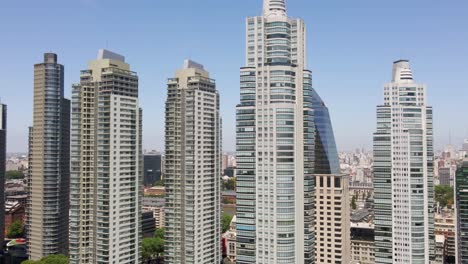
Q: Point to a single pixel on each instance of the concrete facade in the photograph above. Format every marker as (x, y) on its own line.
(332, 223)
(106, 164)
(192, 173)
(362, 243)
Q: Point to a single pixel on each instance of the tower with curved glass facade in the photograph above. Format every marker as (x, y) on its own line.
(276, 142)
(47, 209)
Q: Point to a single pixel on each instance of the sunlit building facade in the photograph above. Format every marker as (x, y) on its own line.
(277, 141)
(192, 168)
(403, 172)
(49, 163)
(106, 164)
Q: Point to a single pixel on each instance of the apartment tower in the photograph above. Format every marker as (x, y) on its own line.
(192, 168)
(461, 203)
(278, 142)
(106, 164)
(49, 163)
(332, 225)
(3, 146)
(403, 172)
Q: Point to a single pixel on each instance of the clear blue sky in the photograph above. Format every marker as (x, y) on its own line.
(351, 47)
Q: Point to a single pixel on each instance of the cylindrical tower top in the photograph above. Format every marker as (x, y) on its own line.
(50, 58)
(274, 7)
(402, 71)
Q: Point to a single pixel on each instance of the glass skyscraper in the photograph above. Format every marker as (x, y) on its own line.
(461, 203)
(278, 138)
(403, 172)
(49, 163)
(3, 134)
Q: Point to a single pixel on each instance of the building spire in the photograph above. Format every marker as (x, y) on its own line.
(274, 7)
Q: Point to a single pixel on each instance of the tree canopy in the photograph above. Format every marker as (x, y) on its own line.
(153, 248)
(353, 203)
(225, 222)
(229, 185)
(159, 183)
(14, 175)
(444, 195)
(15, 229)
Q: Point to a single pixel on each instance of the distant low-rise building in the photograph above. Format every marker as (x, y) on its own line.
(465, 145)
(444, 176)
(148, 223)
(229, 240)
(21, 198)
(362, 243)
(14, 211)
(229, 171)
(155, 191)
(440, 250)
(157, 206)
(444, 225)
(15, 187)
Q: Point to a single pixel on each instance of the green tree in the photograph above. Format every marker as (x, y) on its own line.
(51, 259)
(14, 175)
(444, 195)
(229, 185)
(158, 183)
(353, 203)
(159, 233)
(225, 222)
(152, 248)
(15, 229)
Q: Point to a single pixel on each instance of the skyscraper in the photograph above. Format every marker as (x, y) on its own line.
(152, 168)
(3, 134)
(284, 138)
(461, 205)
(107, 164)
(192, 168)
(403, 172)
(49, 163)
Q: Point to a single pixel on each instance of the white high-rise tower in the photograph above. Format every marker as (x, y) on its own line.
(192, 168)
(403, 172)
(106, 164)
(284, 138)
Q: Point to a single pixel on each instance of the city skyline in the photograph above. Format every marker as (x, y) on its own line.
(337, 58)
